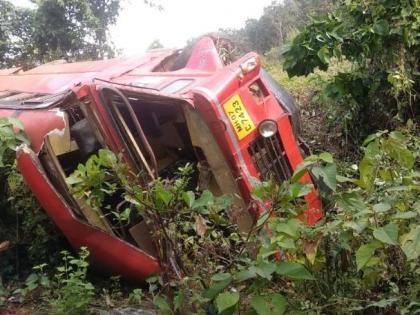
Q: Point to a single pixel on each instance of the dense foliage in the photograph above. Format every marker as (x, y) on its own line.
(23, 224)
(363, 256)
(178, 217)
(381, 39)
(53, 29)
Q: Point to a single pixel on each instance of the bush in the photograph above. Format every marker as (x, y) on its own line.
(382, 41)
(362, 257)
(32, 235)
(72, 292)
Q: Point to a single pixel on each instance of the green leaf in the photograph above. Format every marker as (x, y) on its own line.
(404, 215)
(352, 202)
(162, 304)
(397, 150)
(287, 243)
(301, 169)
(381, 27)
(271, 304)
(189, 198)
(387, 234)
(178, 300)
(343, 179)
(294, 271)
(264, 269)
(299, 190)
(224, 201)
(372, 137)
(324, 54)
(221, 277)
(410, 243)
(44, 281)
(289, 63)
(245, 275)
(263, 218)
(32, 278)
(381, 207)
(367, 166)
(327, 174)
(365, 253)
(205, 200)
(226, 300)
(291, 228)
(216, 288)
(326, 157)
(16, 122)
(163, 195)
(107, 157)
(383, 303)
(22, 137)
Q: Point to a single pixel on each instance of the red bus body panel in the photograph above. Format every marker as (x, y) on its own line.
(108, 253)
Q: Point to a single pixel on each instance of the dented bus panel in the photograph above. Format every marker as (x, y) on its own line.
(160, 110)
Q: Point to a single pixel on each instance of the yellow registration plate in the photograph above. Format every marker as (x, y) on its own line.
(239, 117)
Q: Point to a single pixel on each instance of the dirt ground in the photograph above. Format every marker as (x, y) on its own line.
(318, 132)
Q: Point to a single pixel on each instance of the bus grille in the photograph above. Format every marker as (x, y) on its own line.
(270, 158)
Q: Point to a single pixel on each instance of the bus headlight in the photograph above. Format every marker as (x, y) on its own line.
(267, 128)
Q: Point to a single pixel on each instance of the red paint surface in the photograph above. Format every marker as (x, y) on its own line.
(204, 56)
(36, 124)
(107, 252)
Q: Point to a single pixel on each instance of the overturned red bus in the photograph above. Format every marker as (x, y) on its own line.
(159, 109)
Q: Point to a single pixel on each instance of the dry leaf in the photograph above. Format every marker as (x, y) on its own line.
(108, 300)
(311, 248)
(4, 246)
(200, 225)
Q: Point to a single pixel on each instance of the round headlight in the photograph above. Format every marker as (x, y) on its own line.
(267, 128)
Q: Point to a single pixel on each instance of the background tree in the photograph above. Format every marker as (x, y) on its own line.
(15, 34)
(381, 39)
(278, 21)
(74, 29)
(56, 29)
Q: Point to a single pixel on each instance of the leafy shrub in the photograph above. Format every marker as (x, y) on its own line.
(190, 228)
(34, 281)
(136, 296)
(72, 292)
(363, 256)
(68, 292)
(31, 233)
(9, 139)
(382, 41)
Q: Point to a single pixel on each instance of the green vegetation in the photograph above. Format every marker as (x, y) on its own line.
(381, 41)
(70, 30)
(191, 228)
(66, 292)
(72, 292)
(9, 140)
(31, 234)
(363, 256)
